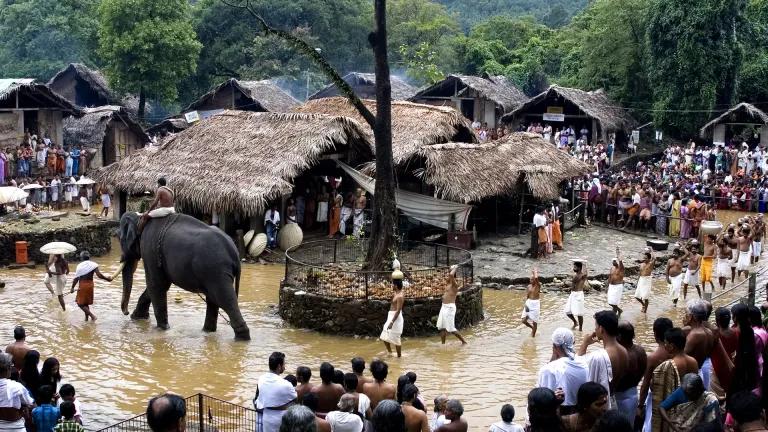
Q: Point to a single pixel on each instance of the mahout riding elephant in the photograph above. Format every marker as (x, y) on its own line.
(181, 250)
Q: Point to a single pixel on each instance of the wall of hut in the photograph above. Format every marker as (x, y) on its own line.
(119, 142)
(43, 122)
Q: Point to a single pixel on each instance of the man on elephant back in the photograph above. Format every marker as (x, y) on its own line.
(162, 206)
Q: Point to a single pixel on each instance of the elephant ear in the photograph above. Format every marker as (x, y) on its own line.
(129, 236)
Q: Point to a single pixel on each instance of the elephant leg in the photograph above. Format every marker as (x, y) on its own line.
(223, 294)
(211, 316)
(141, 312)
(158, 293)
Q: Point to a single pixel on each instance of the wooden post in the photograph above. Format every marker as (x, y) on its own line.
(520, 217)
(240, 243)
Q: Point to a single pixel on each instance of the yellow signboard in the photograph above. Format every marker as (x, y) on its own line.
(554, 110)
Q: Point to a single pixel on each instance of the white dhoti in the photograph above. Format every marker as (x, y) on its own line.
(614, 294)
(392, 335)
(532, 310)
(85, 203)
(723, 267)
(346, 213)
(705, 372)
(322, 211)
(675, 285)
(691, 277)
(106, 201)
(446, 319)
(648, 412)
(358, 222)
(744, 260)
(757, 248)
(161, 212)
(575, 303)
(644, 284)
(58, 281)
(734, 257)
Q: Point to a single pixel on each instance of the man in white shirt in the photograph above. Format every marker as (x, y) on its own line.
(271, 225)
(273, 395)
(13, 397)
(345, 419)
(540, 233)
(564, 371)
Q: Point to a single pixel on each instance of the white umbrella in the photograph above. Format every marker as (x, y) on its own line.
(58, 248)
(85, 181)
(32, 186)
(9, 194)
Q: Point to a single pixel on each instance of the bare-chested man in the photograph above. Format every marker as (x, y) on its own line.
(637, 359)
(700, 341)
(327, 392)
(657, 357)
(724, 258)
(645, 280)
(694, 265)
(607, 366)
(532, 308)
(393, 328)
(303, 375)
(415, 419)
(358, 367)
(675, 275)
(616, 283)
(708, 261)
(758, 232)
(18, 348)
(732, 240)
(575, 304)
(453, 412)
(446, 319)
(379, 389)
(744, 245)
(162, 206)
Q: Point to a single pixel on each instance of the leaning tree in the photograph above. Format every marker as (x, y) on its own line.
(384, 223)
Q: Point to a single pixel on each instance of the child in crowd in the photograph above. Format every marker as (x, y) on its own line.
(68, 424)
(67, 394)
(506, 425)
(45, 416)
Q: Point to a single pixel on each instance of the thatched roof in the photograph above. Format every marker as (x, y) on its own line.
(595, 104)
(237, 161)
(401, 90)
(94, 78)
(38, 95)
(90, 129)
(471, 172)
(169, 125)
(743, 111)
(261, 95)
(413, 125)
(494, 88)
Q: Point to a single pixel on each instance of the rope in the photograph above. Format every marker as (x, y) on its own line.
(220, 314)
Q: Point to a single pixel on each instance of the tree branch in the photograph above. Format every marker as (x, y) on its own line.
(309, 51)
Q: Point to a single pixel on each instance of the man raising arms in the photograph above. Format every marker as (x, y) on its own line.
(575, 304)
(694, 264)
(532, 308)
(645, 281)
(616, 283)
(675, 275)
(446, 319)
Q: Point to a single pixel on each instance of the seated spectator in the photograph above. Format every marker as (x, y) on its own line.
(298, 418)
(692, 404)
(166, 413)
(415, 419)
(45, 415)
(362, 402)
(592, 403)
(379, 389)
(68, 423)
(328, 392)
(346, 419)
(506, 425)
(67, 394)
(310, 401)
(438, 416)
(453, 412)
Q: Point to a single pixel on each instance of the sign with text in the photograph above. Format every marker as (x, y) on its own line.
(554, 117)
(554, 110)
(192, 117)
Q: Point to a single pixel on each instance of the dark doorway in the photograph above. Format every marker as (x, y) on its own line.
(30, 122)
(468, 109)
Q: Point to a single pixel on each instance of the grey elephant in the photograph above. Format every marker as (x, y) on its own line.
(183, 251)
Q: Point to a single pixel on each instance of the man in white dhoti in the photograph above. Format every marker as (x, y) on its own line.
(532, 308)
(645, 281)
(758, 232)
(393, 328)
(675, 275)
(162, 206)
(616, 283)
(346, 215)
(744, 246)
(446, 319)
(564, 371)
(273, 395)
(606, 365)
(574, 307)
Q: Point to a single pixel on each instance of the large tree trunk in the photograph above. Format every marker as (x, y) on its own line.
(142, 103)
(384, 224)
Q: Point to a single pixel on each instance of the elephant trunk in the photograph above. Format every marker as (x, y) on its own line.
(129, 267)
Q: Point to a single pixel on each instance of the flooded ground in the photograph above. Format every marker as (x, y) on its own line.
(117, 364)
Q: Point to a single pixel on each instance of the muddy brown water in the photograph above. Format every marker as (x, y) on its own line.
(117, 364)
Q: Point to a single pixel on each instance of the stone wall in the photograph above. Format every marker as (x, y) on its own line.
(95, 237)
(367, 317)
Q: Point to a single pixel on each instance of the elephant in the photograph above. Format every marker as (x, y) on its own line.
(183, 251)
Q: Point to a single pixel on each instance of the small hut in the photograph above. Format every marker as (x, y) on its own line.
(364, 85)
(734, 121)
(168, 126)
(260, 96)
(237, 161)
(86, 87)
(564, 107)
(107, 133)
(483, 99)
(29, 106)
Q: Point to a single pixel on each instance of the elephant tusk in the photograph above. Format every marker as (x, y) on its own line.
(117, 272)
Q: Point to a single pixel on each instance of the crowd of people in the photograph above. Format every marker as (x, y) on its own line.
(41, 157)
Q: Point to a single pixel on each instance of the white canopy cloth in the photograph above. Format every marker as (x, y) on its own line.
(32, 186)
(9, 194)
(57, 248)
(85, 181)
(432, 211)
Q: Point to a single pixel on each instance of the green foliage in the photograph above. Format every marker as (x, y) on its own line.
(753, 82)
(147, 46)
(422, 63)
(40, 37)
(554, 13)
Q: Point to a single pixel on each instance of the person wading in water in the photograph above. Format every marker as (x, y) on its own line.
(84, 276)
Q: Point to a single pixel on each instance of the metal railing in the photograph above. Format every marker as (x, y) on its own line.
(333, 268)
(204, 414)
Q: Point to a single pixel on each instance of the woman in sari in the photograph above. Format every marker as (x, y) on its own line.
(674, 223)
(685, 220)
(690, 405)
(335, 219)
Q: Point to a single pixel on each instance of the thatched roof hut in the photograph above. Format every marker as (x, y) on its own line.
(236, 161)
(364, 85)
(743, 114)
(563, 107)
(413, 125)
(480, 98)
(246, 96)
(168, 126)
(86, 87)
(108, 133)
(519, 161)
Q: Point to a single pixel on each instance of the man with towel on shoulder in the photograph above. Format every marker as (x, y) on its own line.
(84, 275)
(393, 328)
(532, 308)
(645, 281)
(606, 365)
(162, 206)
(273, 395)
(564, 371)
(616, 283)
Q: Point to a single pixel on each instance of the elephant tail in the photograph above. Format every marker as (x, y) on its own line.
(237, 280)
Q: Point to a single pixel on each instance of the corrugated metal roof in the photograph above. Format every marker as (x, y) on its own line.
(6, 83)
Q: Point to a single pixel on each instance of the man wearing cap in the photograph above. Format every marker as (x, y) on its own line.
(564, 371)
(645, 281)
(692, 273)
(84, 276)
(532, 308)
(447, 316)
(575, 304)
(616, 283)
(675, 275)
(393, 328)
